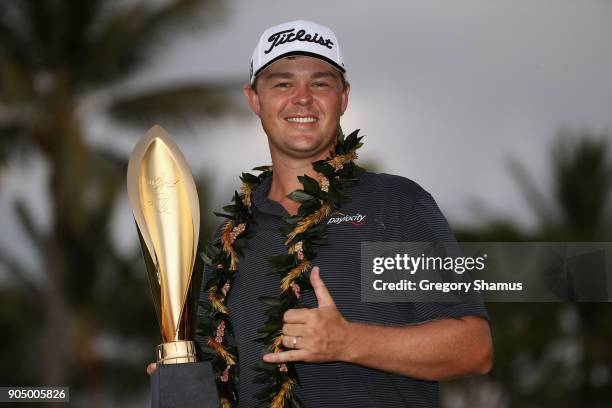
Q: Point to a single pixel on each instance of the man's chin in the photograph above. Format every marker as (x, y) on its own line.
(304, 145)
(315, 151)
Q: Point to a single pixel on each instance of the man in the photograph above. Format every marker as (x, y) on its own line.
(346, 352)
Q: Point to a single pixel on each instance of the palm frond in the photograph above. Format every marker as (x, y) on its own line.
(544, 208)
(16, 84)
(583, 179)
(176, 104)
(16, 42)
(12, 140)
(131, 35)
(20, 273)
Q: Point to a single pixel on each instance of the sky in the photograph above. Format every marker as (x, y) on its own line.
(446, 92)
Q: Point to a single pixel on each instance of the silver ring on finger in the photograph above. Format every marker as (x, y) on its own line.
(294, 342)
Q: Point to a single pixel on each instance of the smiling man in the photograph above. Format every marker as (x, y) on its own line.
(324, 347)
(299, 100)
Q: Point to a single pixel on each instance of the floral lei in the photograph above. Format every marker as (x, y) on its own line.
(302, 233)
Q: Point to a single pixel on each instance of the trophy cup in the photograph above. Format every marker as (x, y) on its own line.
(165, 205)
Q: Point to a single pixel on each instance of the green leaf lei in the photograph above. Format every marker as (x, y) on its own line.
(303, 233)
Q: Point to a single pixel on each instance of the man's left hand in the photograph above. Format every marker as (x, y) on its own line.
(314, 335)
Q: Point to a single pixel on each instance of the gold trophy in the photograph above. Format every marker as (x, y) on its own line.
(165, 204)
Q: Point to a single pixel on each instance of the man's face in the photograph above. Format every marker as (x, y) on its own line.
(299, 101)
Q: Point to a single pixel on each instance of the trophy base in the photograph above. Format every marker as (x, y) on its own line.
(176, 352)
(187, 385)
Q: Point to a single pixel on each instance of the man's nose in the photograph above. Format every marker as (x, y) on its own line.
(302, 96)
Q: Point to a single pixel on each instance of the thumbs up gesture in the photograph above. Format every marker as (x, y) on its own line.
(314, 335)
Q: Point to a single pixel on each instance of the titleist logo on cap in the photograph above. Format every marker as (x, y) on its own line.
(287, 36)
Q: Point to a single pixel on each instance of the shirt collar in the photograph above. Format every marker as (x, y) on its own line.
(263, 203)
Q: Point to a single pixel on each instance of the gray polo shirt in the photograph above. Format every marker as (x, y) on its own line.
(382, 208)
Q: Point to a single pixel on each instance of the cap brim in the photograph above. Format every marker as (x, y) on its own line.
(305, 53)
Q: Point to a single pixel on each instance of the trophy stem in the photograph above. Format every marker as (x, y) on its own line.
(176, 352)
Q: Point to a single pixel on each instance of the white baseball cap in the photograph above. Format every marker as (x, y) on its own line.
(298, 37)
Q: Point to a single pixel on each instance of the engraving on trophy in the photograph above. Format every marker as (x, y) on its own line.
(160, 187)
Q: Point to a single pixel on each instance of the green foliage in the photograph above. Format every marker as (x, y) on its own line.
(548, 354)
(53, 55)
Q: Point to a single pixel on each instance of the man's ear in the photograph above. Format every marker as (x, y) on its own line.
(345, 97)
(252, 98)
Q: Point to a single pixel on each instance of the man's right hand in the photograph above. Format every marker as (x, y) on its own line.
(151, 368)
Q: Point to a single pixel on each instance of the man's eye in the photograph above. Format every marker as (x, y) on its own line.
(282, 85)
(320, 84)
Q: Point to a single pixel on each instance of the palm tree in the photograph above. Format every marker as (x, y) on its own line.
(54, 56)
(578, 202)
(555, 354)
